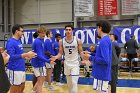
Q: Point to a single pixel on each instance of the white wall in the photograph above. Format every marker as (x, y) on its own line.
(51, 11)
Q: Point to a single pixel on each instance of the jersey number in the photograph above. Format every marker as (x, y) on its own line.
(70, 51)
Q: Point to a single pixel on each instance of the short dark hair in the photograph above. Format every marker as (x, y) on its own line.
(47, 33)
(35, 35)
(16, 27)
(69, 26)
(57, 35)
(106, 27)
(115, 36)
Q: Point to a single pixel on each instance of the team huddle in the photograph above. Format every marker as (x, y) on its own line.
(70, 47)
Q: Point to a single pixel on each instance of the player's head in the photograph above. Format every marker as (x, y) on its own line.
(49, 34)
(35, 35)
(41, 31)
(92, 48)
(103, 27)
(113, 37)
(17, 30)
(58, 36)
(69, 30)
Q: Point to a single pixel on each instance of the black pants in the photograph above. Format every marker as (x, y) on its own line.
(130, 57)
(114, 75)
(57, 71)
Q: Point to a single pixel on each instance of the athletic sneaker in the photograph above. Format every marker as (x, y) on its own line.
(33, 91)
(59, 84)
(51, 88)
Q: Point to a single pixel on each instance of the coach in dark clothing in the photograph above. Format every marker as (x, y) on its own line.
(4, 82)
(115, 61)
(131, 47)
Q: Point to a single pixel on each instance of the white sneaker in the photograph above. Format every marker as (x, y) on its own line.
(59, 84)
(51, 88)
(45, 84)
(33, 91)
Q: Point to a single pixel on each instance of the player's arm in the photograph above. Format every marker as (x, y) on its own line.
(80, 49)
(60, 50)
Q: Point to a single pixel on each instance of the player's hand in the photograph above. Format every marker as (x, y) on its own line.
(86, 62)
(30, 55)
(53, 58)
(85, 56)
(52, 62)
(5, 57)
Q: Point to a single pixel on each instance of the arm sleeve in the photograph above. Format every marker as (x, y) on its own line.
(49, 47)
(136, 45)
(11, 51)
(39, 53)
(104, 57)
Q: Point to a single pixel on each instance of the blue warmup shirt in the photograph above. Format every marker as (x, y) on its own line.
(102, 60)
(91, 52)
(48, 46)
(56, 48)
(15, 49)
(38, 47)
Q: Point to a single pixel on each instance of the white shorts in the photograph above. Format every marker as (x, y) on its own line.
(48, 65)
(40, 71)
(71, 70)
(16, 77)
(100, 85)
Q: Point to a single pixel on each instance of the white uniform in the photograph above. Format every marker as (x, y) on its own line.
(71, 63)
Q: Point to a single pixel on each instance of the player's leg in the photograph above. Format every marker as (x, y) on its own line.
(40, 73)
(16, 79)
(75, 77)
(100, 86)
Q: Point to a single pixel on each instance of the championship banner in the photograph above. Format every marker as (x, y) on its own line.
(107, 7)
(83, 8)
(130, 7)
(124, 33)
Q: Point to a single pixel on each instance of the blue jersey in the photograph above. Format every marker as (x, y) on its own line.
(102, 60)
(56, 48)
(48, 46)
(91, 52)
(15, 49)
(38, 48)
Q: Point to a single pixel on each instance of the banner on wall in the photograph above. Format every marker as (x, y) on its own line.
(130, 7)
(83, 8)
(107, 7)
(89, 35)
(124, 33)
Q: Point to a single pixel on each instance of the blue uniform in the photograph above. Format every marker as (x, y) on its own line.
(102, 60)
(38, 47)
(91, 52)
(48, 46)
(15, 49)
(56, 48)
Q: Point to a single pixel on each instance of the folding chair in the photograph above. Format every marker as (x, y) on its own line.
(135, 64)
(124, 64)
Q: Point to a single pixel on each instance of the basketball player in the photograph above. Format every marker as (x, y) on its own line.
(71, 47)
(38, 62)
(102, 59)
(16, 64)
(49, 51)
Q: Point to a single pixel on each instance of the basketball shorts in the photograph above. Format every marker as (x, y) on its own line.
(40, 71)
(16, 77)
